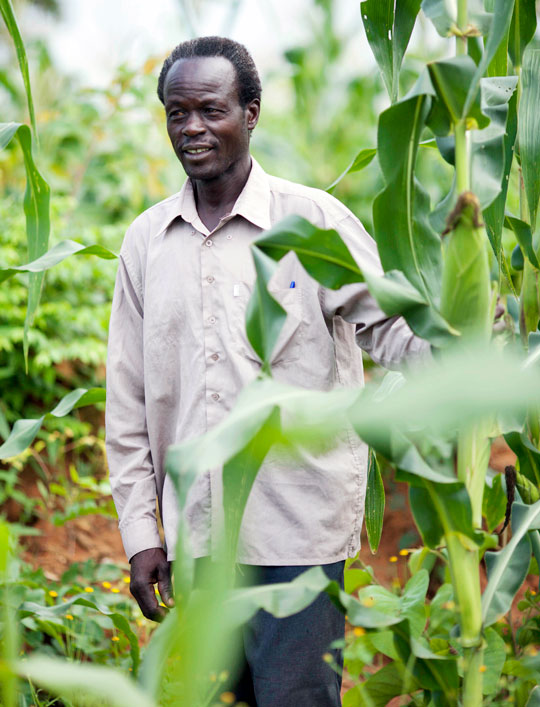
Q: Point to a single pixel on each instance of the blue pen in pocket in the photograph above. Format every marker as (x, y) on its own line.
(292, 285)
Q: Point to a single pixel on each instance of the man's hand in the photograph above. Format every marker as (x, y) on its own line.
(147, 568)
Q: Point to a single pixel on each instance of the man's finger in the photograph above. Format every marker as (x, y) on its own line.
(146, 599)
(165, 584)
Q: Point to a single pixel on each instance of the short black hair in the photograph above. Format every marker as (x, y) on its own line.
(247, 77)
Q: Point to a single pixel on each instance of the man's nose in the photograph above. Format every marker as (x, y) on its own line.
(193, 125)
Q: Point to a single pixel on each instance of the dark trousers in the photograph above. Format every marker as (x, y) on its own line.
(283, 658)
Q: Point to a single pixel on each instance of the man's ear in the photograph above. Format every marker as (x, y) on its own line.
(253, 110)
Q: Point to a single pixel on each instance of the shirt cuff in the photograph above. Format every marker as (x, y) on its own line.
(140, 535)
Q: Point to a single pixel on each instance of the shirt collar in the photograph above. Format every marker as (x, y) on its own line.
(253, 203)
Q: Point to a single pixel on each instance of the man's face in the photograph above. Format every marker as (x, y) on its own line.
(207, 126)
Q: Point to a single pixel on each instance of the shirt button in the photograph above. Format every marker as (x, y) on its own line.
(212, 320)
(209, 243)
(214, 357)
(215, 396)
(210, 279)
(229, 237)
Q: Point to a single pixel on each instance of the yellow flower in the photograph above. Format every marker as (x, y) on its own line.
(404, 553)
(359, 631)
(69, 617)
(227, 698)
(482, 668)
(115, 638)
(127, 580)
(327, 657)
(450, 605)
(393, 558)
(53, 594)
(115, 590)
(533, 593)
(89, 590)
(107, 585)
(224, 675)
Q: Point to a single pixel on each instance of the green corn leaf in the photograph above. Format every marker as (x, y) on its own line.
(24, 431)
(36, 209)
(529, 130)
(494, 657)
(494, 214)
(508, 568)
(388, 25)
(463, 380)
(56, 255)
(450, 79)
(527, 454)
(498, 66)
(490, 146)
(322, 252)
(522, 29)
(264, 316)
(376, 607)
(523, 234)
(534, 698)
(362, 159)
(494, 503)
(238, 476)
(8, 15)
(529, 309)
(441, 509)
(374, 510)
(500, 23)
(10, 640)
(83, 683)
(404, 237)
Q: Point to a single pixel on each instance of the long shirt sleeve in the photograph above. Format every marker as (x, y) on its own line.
(128, 450)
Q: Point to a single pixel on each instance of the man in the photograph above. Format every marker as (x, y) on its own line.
(178, 357)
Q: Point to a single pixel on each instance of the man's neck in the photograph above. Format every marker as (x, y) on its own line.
(215, 198)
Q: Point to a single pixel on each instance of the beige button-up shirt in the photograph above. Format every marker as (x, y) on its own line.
(179, 356)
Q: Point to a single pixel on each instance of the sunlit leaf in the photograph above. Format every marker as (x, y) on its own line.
(494, 214)
(522, 29)
(78, 682)
(502, 15)
(56, 255)
(24, 431)
(523, 234)
(388, 25)
(322, 252)
(508, 568)
(8, 15)
(374, 510)
(529, 129)
(362, 159)
(36, 209)
(265, 317)
(404, 237)
(239, 474)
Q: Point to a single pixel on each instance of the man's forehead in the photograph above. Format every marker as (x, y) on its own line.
(201, 73)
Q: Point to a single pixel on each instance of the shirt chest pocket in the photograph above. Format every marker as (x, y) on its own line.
(289, 344)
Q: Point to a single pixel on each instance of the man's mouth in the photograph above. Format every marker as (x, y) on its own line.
(196, 150)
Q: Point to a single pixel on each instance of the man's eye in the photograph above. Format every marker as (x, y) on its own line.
(176, 114)
(211, 111)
